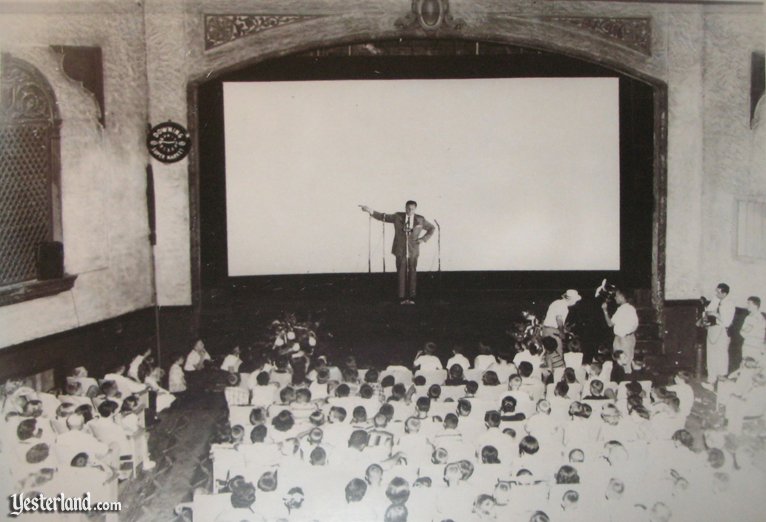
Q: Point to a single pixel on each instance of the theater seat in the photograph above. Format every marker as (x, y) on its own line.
(573, 359)
(114, 436)
(208, 507)
(504, 372)
(400, 375)
(240, 415)
(433, 376)
(472, 374)
(452, 392)
(236, 396)
(441, 409)
(227, 463)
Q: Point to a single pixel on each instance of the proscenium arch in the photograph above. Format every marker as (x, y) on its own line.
(530, 32)
(581, 46)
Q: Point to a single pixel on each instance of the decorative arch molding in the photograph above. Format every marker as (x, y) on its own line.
(221, 29)
(623, 44)
(630, 32)
(27, 96)
(74, 102)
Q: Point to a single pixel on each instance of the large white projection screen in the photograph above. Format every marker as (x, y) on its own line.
(521, 174)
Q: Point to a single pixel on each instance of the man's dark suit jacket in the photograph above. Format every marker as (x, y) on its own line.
(399, 219)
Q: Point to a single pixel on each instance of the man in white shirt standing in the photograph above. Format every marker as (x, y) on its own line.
(720, 314)
(753, 331)
(624, 323)
(554, 324)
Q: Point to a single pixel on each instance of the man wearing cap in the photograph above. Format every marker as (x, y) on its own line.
(406, 247)
(554, 324)
(624, 323)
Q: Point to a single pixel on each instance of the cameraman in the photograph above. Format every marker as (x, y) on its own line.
(719, 315)
(554, 324)
(624, 323)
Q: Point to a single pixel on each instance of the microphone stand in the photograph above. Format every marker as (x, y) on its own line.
(407, 232)
(439, 252)
(369, 244)
(383, 228)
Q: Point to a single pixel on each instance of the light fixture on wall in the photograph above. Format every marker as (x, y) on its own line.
(431, 16)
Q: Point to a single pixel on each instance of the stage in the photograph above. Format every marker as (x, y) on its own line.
(360, 315)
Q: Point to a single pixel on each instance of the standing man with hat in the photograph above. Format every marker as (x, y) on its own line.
(407, 229)
(554, 324)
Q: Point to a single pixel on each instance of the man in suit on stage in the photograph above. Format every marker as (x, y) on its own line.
(407, 229)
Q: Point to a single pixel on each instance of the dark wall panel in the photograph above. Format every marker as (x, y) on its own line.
(100, 346)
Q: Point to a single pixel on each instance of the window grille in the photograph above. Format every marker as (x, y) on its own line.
(27, 124)
(751, 229)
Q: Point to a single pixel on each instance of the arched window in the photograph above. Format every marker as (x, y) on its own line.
(30, 202)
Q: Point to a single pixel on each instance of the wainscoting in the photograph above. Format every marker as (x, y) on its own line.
(100, 346)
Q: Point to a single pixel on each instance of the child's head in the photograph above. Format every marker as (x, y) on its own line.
(569, 500)
(355, 490)
(489, 455)
(550, 344)
(489, 378)
(359, 414)
(508, 404)
(287, 395)
(463, 407)
(596, 388)
(302, 396)
(371, 376)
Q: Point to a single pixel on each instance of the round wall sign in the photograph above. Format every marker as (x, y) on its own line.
(168, 142)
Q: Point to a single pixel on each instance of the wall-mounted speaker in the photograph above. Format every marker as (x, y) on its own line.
(757, 81)
(50, 260)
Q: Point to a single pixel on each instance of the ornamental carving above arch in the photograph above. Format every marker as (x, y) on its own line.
(635, 33)
(26, 95)
(221, 29)
(430, 16)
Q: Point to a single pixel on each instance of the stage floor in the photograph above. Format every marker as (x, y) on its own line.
(373, 326)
